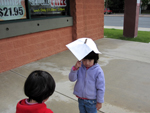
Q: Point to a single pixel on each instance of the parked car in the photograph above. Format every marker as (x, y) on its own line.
(107, 10)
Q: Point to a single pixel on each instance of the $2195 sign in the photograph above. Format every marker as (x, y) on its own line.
(11, 12)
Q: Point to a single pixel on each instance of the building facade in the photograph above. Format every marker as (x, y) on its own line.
(30, 39)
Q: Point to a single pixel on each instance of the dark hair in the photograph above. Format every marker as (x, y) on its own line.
(39, 86)
(92, 55)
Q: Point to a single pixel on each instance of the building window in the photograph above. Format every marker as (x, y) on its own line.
(29, 9)
(19, 17)
(47, 8)
(12, 10)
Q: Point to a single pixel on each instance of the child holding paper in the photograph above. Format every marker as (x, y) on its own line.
(39, 86)
(90, 83)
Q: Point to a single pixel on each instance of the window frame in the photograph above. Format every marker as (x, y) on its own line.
(18, 27)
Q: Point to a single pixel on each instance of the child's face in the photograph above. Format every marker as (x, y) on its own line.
(88, 62)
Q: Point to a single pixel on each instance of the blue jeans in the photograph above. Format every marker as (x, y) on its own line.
(87, 106)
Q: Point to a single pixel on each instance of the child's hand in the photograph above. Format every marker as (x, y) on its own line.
(78, 64)
(99, 106)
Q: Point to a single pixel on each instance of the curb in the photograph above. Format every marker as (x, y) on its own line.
(120, 27)
(141, 15)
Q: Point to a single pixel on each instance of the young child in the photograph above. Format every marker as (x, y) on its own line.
(90, 83)
(39, 86)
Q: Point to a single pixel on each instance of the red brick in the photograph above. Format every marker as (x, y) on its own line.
(22, 60)
(3, 57)
(13, 54)
(79, 6)
(34, 40)
(45, 37)
(2, 68)
(48, 51)
(6, 46)
(29, 49)
(79, 1)
(36, 55)
(8, 64)
(65, 32)
(42, 45)
(51, 43)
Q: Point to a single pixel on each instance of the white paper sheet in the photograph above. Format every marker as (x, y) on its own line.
(80, 49)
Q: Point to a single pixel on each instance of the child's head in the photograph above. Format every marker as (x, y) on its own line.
(39, 86)
(91, 59)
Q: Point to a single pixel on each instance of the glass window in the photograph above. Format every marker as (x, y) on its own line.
(46, 8)
(28, 9)
(19, 17)
(12, 9)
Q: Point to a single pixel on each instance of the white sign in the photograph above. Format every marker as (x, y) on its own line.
(138, 1)
(12, 9)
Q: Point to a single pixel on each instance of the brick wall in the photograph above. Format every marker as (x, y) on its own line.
(20, 50)
(88, 19)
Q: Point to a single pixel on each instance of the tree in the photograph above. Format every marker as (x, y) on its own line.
(116, 5)
(144, 3)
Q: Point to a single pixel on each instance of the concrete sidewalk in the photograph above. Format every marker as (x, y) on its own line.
(126, 66)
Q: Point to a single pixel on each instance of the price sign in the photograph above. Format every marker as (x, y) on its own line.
(11, 11)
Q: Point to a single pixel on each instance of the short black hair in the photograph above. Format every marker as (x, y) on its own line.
(92, 55)
(39, 86)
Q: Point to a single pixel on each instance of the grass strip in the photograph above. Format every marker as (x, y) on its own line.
(142, 36)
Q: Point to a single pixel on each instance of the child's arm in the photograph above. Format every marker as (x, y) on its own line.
(100, 85)
(73, 72)
(98, 106)
(78, 64)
